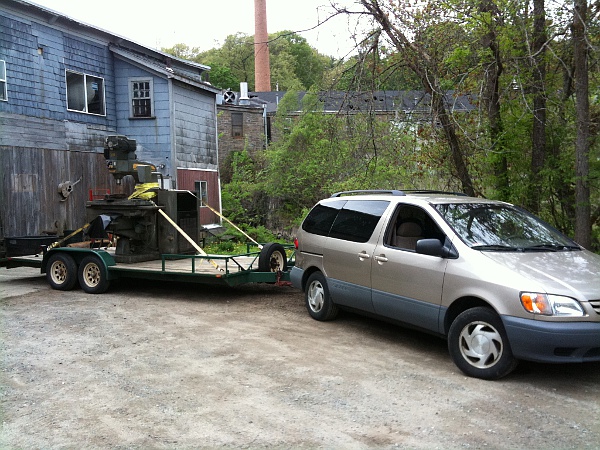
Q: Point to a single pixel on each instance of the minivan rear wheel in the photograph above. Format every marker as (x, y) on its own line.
(318, 301)
(478, 344)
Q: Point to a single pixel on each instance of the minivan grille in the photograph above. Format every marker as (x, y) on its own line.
(596, 305)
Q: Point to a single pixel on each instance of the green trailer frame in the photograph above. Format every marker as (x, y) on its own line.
(228, 270)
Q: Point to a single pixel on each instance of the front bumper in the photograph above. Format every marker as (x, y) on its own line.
(553, 342)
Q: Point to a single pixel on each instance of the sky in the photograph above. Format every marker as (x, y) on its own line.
(206, 24)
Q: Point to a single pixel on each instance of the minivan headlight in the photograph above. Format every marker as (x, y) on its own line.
(551, 305)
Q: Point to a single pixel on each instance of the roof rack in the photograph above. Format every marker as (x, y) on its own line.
(369, 191)
(397, 192)
(433, 191)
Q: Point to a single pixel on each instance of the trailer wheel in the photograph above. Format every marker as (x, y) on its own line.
(62, 272)
(92, 275)
(272, 258)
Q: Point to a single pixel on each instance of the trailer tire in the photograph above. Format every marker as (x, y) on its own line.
(272, 258)
(93, 277)
(61, 272)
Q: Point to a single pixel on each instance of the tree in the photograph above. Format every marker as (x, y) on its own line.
(236, 54)
(293, 61)
(222, 77)
(182, 51)
(538, 65)
(423, 65)
(320, 153)
(582, 145)
(305, 62)
(521, 138)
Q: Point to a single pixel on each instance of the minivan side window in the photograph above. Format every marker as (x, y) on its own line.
(321, 217)
(412, 223)
(357, 220)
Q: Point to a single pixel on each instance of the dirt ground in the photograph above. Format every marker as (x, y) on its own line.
(166, 366)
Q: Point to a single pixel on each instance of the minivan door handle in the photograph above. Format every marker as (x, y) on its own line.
(380, 259)
(363, 255)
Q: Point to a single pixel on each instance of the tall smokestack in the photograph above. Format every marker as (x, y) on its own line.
(262, 69)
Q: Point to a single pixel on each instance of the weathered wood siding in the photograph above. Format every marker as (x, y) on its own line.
(41, 143)
(29, 180)
(32, 78)
(37, 57)
(196, 145)
(195, 128)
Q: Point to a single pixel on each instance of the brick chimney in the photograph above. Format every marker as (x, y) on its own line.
(262, 69)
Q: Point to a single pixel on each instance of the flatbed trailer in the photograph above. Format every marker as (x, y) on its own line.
(95, 269)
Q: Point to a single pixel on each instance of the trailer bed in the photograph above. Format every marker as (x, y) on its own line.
(230, 270)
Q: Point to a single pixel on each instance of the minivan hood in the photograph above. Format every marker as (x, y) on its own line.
(566, 272)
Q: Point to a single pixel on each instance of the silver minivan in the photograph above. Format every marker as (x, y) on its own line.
(500, 284)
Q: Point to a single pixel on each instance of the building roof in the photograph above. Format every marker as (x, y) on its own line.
(166, 66)
(341, 101)
(163, 63)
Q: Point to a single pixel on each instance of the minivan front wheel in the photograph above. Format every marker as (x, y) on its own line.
(478, 344)
(318, 301)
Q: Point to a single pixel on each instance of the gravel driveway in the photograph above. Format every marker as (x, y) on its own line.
(168, 366)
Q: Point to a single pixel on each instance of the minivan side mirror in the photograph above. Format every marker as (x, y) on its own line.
(434, 247)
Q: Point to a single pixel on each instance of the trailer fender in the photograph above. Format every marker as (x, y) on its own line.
(79, 253)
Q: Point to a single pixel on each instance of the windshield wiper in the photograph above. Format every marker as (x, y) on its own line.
(550, 248)
(496, 248)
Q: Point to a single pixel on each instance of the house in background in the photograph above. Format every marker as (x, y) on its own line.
(64, 87)
(243, 124)
(245, 118)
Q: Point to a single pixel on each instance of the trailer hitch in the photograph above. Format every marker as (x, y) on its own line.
(281, 283)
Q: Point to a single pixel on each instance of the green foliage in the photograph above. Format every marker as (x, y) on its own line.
(182, 51)
(293, 53)
(225, 247)
(294, 63)
(458, 46)
(243, 198)
(323, 153)
(222, 77)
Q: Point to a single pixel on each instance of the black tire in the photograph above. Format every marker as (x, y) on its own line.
(61, 272)
(318, 301)
(93, 277)
(479, 346)
(272, 258)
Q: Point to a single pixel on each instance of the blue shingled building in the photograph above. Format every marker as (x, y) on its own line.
(65, 86)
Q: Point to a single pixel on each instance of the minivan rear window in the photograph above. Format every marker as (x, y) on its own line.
(321, 217)
(357, 220)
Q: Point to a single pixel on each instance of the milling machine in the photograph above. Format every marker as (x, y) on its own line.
(142, 234)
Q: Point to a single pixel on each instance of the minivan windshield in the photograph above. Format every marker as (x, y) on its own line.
(499, 227)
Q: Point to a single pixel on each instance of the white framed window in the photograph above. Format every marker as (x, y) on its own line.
(141, 96)
(85, 93)
(201, 188)
(3, 90)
